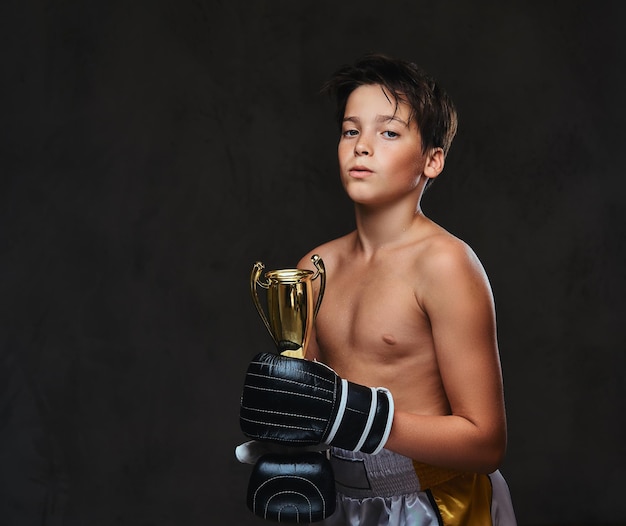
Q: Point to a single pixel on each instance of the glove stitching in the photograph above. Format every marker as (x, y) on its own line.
(282, 426)
(295, 415)
(286, 380)
(272, 479)
(262, 374)
(290, 393)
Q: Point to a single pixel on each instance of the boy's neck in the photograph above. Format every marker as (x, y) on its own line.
(385, 228)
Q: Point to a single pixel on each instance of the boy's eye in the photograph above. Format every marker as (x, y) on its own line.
(351, 133)
(390, 134)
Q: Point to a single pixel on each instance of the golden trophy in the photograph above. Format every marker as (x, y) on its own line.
(289, 303)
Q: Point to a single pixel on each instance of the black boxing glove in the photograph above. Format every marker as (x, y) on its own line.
(298, 402)
(288, 487)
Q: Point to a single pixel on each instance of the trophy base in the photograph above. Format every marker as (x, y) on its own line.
(291, 349)
(298, 353)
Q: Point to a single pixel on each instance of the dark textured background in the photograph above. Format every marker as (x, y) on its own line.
(151, 151)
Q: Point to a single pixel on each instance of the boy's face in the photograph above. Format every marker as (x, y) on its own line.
(380, 149)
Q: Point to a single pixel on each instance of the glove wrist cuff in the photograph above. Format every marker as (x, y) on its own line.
(389, 421)
(363, 418)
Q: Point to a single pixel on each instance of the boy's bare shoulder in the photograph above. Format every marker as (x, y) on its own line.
(441, 246)
(433, 244)
(330, 251)
(442, 259)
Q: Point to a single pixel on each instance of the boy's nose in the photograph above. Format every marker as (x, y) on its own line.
(362, 148)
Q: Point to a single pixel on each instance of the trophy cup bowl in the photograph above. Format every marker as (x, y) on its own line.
(290, 310)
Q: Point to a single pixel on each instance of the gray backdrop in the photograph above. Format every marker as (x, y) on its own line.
(152, 151)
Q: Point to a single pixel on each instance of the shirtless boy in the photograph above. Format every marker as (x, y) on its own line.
(408, 309)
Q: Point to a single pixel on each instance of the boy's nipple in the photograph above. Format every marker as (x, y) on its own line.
(389, 339)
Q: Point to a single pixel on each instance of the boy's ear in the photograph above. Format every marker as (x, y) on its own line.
(434, 163)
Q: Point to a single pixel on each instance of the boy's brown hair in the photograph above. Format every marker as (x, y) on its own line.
(406, 82)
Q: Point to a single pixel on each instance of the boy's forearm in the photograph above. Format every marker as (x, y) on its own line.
(448, 441)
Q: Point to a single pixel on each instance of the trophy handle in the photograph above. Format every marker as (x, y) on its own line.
(321, 272)
(254, 279)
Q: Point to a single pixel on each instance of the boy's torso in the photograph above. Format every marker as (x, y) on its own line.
(372, 329)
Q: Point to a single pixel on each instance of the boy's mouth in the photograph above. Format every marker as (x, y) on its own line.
(359, 171)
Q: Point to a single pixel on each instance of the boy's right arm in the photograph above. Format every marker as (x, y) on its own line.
(455, 294)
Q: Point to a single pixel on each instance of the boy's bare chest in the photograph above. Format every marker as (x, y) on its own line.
(372, 310)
